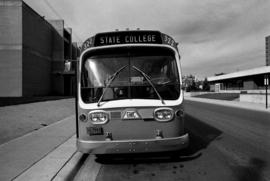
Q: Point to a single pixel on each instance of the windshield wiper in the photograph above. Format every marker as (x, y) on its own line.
(150, 82)
(109, 83)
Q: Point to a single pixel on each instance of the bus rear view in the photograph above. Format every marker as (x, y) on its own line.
(129, 94)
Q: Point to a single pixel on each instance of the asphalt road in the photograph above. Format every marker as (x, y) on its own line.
(240, 136)
(226, 144)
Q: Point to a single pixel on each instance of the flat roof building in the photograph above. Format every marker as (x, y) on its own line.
(251, 79)
(267, 50)
(248, 83)
(32, 52)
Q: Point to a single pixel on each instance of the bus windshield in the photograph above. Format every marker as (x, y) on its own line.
(158, 63)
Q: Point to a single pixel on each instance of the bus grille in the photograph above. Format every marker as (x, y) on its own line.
(115, 115)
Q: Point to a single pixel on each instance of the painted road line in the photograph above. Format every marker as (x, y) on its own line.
(49, 166)
(243, 105)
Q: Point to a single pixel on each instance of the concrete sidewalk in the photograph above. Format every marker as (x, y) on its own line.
(18, 155)
(243, 105)
(18, 120)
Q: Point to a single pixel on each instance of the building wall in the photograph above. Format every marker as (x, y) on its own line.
(58, 44)
(37, 53)
(32, 52)
(58, 57)
(68, 43)
(10, 48)
(249, 85)
(256, 98)
(75, 51)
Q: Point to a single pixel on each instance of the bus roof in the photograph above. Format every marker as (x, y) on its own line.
(128, 37)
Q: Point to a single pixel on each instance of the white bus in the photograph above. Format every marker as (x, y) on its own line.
(129, 94)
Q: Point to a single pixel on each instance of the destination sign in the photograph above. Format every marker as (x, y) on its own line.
(127, 38)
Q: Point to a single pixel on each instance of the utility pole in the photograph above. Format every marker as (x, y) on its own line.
(266, 83)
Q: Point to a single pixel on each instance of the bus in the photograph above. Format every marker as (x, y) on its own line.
(129, 97)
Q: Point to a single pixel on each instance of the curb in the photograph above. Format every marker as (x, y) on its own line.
(20, 154)
(46, 168)
(242, 105)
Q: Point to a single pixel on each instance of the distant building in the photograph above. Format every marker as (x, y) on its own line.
(251, 79)
(250, 83)
(267, 50)
(32, 53)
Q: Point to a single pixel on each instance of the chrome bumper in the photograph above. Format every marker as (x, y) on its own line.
(133, 146)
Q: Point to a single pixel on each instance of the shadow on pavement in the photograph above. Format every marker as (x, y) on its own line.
(251, 172)
(220, 96)
(144, 158)
(200, 134)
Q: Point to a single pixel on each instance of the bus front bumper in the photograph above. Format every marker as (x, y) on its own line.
(133, 146)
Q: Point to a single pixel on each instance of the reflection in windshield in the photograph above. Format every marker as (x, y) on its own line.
(159, 63)
(150, 82)
(99, 70)
(111, 79)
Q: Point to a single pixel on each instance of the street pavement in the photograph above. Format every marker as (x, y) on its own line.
(24, 153)
(239, 135)
(226, 144)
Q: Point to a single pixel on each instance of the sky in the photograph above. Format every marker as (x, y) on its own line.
(215, 36)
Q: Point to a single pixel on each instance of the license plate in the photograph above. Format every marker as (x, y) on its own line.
(95, 131)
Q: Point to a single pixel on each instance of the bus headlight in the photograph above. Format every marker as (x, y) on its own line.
(99, 117)
(163, 114)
